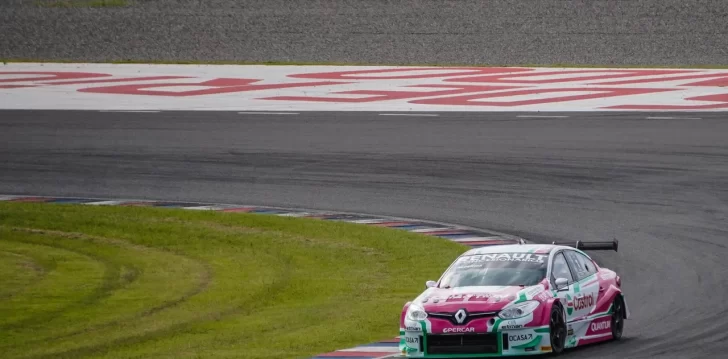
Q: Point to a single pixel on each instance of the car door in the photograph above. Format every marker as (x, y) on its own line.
(560, 269)
(586, 287)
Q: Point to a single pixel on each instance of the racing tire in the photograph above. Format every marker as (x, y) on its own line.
(617, 317)
(557, 329)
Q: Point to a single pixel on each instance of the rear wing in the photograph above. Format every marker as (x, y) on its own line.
(591, 246)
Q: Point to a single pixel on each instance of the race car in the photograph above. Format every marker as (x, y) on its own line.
(516, 299)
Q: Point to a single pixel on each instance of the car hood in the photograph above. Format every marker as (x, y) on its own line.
(474, 299)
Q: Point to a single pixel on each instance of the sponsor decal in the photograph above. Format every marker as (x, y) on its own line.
(413, 329)
(520, 337)
(458, 330)
(544, 296)
(472, 297)
(601, 326)
(511, 324)
(412, 340)
(523, 341)
(468, 297)
(481, 297)
(569, 305)
(578, 303)
(504, 257)
(583, 302)
(533, 291)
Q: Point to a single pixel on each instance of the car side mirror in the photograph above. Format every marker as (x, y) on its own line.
(562, 284)
(430, 284)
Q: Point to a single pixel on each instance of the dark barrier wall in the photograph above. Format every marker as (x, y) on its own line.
(493, 32)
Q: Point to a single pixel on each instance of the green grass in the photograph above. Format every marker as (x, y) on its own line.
(81, 3)
(134, 282)
(294, 63)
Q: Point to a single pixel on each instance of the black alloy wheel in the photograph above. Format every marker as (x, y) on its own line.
(557, 329)
(618, 312)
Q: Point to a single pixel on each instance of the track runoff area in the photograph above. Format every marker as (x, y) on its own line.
(281, 89)
(405, 91)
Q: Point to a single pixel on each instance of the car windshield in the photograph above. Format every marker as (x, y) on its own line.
(496, 269)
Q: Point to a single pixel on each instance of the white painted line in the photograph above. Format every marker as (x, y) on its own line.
(369, 221)
(476, 239)
(204, 208)
(673, 118)
(428, 230)
(410, 114)
(140, 111)
(268, 113)
(104, 203)
(8, 198)
(541, 116)
(295, 214)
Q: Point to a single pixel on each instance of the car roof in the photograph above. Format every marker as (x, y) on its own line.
(514, 248)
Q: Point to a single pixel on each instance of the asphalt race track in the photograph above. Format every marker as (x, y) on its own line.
(657, 182)
(494, 32)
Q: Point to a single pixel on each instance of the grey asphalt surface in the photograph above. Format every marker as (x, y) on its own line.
(493, 32)
(660, 186)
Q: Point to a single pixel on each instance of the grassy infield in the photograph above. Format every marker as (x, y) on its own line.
(111, 282)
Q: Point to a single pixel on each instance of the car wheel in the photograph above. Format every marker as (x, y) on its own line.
(617, 317)
(557, 329)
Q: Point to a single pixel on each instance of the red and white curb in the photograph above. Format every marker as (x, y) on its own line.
(132, 87)
(378, 350)
(465, 235)
(383, 349)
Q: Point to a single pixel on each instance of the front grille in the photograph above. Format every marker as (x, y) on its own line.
(462, 343)
(470, 316)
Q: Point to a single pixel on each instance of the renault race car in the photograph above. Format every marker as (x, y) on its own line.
(518, 299)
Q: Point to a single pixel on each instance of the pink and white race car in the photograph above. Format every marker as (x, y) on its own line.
(518, 299)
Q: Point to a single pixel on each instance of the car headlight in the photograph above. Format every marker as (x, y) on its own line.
(416, 313)
(519, 310)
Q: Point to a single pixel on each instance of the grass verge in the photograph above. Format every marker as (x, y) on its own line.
(300, 63)
(121, 282)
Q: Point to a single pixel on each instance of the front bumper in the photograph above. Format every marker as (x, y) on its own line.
(494, 343)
